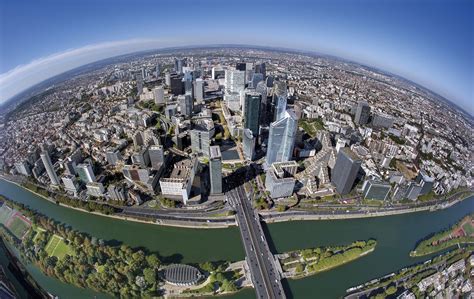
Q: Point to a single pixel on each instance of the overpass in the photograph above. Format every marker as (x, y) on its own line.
(264, 268)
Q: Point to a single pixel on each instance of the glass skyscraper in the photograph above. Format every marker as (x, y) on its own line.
(281, 139)
(252, 112)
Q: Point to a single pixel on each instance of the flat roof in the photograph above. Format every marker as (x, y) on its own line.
(215, 152)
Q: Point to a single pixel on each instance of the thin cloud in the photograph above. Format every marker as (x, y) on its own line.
(24, 76)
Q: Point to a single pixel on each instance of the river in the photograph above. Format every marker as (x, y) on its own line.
(396, 236)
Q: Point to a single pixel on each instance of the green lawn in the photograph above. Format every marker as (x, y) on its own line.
(18, 227)
(468, 229)
(5, 213)
(57, 247)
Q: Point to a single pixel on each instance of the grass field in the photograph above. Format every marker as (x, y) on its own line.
(468, 229)
(18, 226)
(57, 247)
(5, 214)
(14, 221)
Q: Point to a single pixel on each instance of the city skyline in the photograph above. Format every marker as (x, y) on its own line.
(404, 38)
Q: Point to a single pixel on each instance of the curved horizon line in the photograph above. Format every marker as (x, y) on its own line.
(148, 45)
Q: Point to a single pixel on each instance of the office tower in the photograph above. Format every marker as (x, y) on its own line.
(157, 157)
(199, 90)
(376, 190)
(185, 105)
(232, 101)
(188, 83)
(261, 68)
(280, 107)
(23, 168)
(217, 72)
(170, 111)
(252, 112)
(84, 170)
(168, 79)
(178, 65)
(279, 180)
(215, 169)
(248, 141)
(117, 192)
(95, 189)
(142, 158)
(256, 78)
(261, 88)
(382, 120)
(240, 66)
(70, 183)
(201, 137)
(48, 165)
(362, 113)
(413, 191)
(159, 94)
(176, 84)
(345, 171)
(113, 156)
(281, 138)
(234, 81)
(425, 181)
(157, 70)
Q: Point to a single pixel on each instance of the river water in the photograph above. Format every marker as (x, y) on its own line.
(396, 236)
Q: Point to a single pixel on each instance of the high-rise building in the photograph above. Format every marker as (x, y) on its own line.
(345, 171)
(95, 189)
(159, 94)
(23, 168)
(201, 136)
(178, 65)
(71, 184)
(186, 104)
(234, 81)
(248, 141)
(215, 169)
(113, 156)
(262, 89)
(157, 157)
(279, 180)
(281, 138)
(376, 190)
(252, 112)
(261, 68)
(176, 84)
(199, 90)
(188, 83)
(256, 78)
(426, 182)
(382, 120)
(117, 192)
(280, 107)
(362, 113)
(48, 165)
(85, 172)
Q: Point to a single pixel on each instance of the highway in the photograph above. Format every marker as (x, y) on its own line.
(261, 262)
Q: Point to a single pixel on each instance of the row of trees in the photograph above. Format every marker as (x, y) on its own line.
(90, 206)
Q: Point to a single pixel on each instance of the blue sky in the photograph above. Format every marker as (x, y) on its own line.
(429, 42)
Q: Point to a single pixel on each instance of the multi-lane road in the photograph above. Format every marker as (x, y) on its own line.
(261, 262)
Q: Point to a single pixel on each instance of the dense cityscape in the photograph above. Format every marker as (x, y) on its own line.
(215, 137)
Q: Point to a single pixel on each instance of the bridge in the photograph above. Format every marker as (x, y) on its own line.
(263, 266)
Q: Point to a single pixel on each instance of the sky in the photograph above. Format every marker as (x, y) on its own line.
(427, 41)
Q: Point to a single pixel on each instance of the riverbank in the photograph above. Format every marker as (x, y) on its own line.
(188, 223)
(274, 217)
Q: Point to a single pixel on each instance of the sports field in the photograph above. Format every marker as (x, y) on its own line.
(57, 247)
(14, 221)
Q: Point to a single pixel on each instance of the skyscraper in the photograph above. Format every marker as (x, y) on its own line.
(178, 65)
(84, 170)
(186, 104)
(345, 171)
(261, 68)
(215, 169)
(252, 112)
(281, 138)
(159, 94)
(156, 156)
(199, 90)
(234, 81)
(362, 113)
(248, 141)
(280, 107)
(48, 165)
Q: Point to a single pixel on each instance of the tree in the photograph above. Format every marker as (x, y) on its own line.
(299, 268)
(150, 275)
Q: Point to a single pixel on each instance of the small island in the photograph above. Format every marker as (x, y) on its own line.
(461, 233)
(301, 263)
